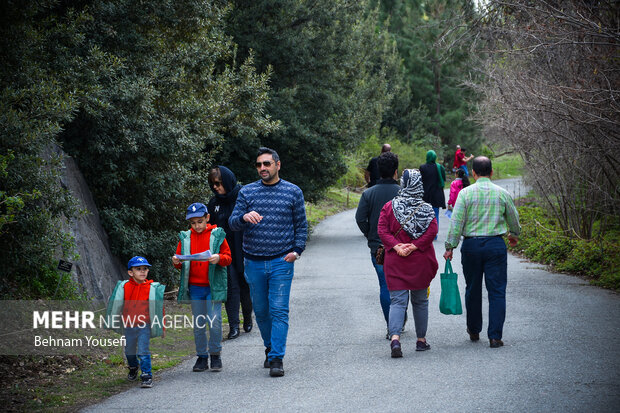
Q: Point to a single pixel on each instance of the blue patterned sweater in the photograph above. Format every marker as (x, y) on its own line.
(283, 228)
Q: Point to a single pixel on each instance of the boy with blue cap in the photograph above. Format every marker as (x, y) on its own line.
(141, 304)
(204, 283)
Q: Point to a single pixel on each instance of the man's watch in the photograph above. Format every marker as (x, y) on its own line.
(296, 254)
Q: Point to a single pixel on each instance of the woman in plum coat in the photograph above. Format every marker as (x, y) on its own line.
(407, 227)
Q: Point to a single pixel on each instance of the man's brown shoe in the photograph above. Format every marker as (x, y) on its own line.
(473, 336)
(496, 343)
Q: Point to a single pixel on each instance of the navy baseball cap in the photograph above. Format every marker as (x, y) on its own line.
(196, 210)
(137, 261)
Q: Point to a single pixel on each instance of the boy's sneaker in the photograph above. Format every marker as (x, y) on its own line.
(202, 364)
(266, 363)
(133, 374)
(276, 368)
(147, 381)
(422, 346)
(216, 362)
(397, 351)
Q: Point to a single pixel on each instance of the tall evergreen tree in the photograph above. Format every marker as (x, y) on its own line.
(434, 40)
(329, 86)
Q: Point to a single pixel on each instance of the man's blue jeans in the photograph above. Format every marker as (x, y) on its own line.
(270, 288)
(207, 313)
(485, 255)
(464, 168)
(384, 294)
(137, 347)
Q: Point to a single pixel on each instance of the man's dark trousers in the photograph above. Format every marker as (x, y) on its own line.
(486, 255)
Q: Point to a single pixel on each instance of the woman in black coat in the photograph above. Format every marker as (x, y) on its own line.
(224, 185)
(433, 179)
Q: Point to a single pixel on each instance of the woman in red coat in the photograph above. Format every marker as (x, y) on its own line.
(407, 227)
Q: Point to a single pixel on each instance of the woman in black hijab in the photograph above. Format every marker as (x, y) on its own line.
(224, 185)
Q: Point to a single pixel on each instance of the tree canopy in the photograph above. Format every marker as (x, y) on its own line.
(331, 83)
(436, 41)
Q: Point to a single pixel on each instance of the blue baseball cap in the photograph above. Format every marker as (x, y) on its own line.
(196, 210)
(137, 261)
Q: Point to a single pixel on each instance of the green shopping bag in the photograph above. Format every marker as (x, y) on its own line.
(450, 299)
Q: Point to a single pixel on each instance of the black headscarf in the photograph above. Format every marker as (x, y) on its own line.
(221, 207)
(229, 181)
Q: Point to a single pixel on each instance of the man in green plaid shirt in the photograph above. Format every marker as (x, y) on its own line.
(482, 214)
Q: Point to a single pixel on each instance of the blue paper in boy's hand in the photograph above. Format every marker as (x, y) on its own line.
(201, 256)
(448, 213)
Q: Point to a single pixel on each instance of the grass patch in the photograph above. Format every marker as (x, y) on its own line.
(40, 383)
(336, 200)
(542, 240)
(507, 166)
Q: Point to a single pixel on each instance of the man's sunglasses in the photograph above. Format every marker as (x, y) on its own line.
(266, 164)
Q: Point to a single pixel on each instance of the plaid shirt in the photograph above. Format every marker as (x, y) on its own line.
(481, 210)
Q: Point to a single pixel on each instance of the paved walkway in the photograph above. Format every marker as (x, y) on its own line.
(561, 353)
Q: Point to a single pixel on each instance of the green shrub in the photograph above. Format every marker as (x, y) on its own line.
(354, 176)
(542, 240)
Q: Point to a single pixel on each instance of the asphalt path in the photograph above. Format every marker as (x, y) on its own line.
(561, 352)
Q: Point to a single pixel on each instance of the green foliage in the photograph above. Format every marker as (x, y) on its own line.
(433, 38)
(331, 83)
(142, 94)
(47, 70)
(542, 240)
(146, 138)
(11, 204)
(354, 176)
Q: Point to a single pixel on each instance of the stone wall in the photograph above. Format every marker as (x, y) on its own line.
(97, 270)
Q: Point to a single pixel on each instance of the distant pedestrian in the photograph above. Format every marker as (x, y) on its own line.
(371, 174)
(204, 283)
(460, 161)
(223, 183)
(407, 227)
(272, 215)
(461, 181)
(367, 218)
(433, 180)
(483, 213)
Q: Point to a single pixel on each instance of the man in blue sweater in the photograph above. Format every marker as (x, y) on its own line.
(272, 214)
